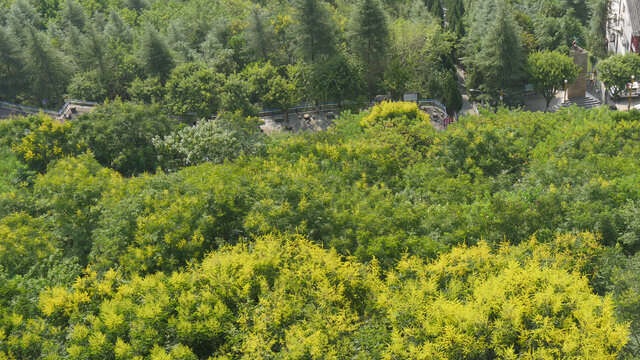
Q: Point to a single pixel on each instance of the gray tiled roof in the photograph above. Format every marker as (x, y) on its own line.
(634, 14)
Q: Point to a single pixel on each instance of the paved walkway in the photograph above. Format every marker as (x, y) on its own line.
(623, 103)
(299, 121)
(467, 107)
(537, 102)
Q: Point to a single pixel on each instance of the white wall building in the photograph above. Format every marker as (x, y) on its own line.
(623, 27)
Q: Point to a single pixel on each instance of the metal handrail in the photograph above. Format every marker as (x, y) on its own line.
(26, 109)
(433, 102)
(77, 102)
(34, 111)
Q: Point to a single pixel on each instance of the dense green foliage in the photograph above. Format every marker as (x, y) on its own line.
(152, 229)
(186, 56)
(616, 72)
(499, 35)
(511, 234)
(548, 71)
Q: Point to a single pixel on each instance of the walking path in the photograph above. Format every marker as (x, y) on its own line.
(467, 107)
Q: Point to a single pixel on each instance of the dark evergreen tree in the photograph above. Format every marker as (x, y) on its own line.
(259, 34)
(500, 62)
(493, 53)
(581, 9)
(435, 8)
(21, 15)
(369, 40)
(11, 67)
(117, 30)
(119, 41)
(478, 19)
(49, 71)
(73, 46)
(315, 30)
(72, 13)
(455, 17)
(155, 56)
(136, 5)
(94, 47)
(451, 95)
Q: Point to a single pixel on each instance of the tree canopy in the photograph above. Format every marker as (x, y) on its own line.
(548, 72)
(510, 233)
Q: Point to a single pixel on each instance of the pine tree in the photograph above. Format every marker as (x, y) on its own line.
(435, 8)
(49, 71)
(155, 56)
(259, 33)
(21, 15)
(95, 49)
(11, 66)
(369, 39)
(315, 31)
(479, 18)
(136, 5)
(499, 65)
(455, 13)
(117, 30)
(72, 13)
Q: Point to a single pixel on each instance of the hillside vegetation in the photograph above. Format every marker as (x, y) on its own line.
(125, 235)
(201, 57)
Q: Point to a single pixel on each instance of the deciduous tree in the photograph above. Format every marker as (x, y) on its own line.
(548, 70)
(616, 71)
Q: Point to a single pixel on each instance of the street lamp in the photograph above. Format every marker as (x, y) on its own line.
(564, 98)
(630, 89)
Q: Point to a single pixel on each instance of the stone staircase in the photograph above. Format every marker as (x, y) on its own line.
(586, 102)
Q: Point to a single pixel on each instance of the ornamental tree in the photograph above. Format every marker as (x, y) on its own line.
(616, 71)
(547, 71)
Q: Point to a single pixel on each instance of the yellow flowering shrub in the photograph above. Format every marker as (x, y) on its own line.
(391, 114)
(284, 297)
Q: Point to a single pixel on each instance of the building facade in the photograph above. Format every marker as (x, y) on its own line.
(623, 27)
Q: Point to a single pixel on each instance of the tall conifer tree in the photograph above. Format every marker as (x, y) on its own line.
(11, 66)
(21, 15)
(72, 13)
(493, 50)
(315, 30)
(155, 56)
(455, 13)
(259, 33)
(49, 71)
(369, 40)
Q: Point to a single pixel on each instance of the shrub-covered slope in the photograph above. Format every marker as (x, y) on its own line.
(509, 235)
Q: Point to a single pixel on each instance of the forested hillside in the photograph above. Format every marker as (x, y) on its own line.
(200, 57)
(146, 230)
(126, 235)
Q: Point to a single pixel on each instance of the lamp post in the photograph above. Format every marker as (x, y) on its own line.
(630, 90)
(564, 98)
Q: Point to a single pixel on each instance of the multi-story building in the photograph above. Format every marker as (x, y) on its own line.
(623, 27)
